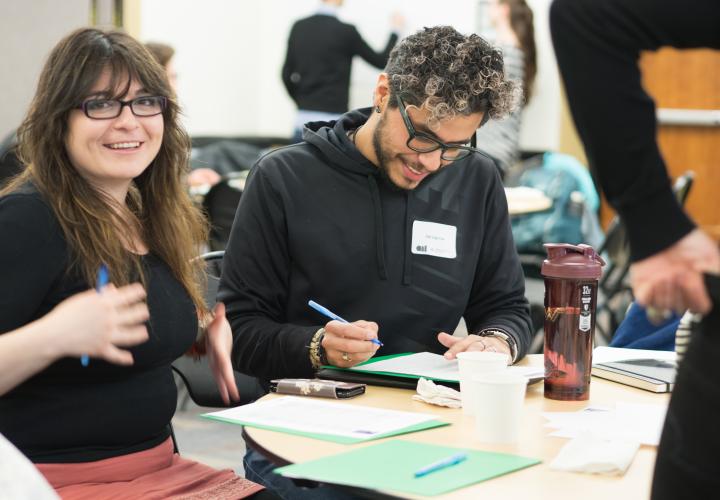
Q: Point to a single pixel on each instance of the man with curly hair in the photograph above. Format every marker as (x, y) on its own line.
(386, 216)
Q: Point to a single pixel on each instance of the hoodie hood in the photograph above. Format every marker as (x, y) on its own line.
(331, 138)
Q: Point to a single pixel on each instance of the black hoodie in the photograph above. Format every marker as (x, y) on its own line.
(317, 220)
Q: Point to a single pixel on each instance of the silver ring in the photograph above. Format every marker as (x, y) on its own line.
(346, 357)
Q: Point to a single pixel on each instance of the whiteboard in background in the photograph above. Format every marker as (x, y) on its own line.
(229, 55)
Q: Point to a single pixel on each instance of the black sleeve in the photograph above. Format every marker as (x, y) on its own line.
(289, 66)
(597, 44)
(497, 299)
(362, 49)
(254, 287)
(32, 258)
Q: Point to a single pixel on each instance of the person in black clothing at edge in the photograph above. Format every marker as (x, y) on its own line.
(675, 267)
(316, 72)
(387, 217)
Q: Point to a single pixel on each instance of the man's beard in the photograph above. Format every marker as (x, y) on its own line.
(382, 157)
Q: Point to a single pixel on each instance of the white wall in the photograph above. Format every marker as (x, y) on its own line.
(28, 31)
(230, 53)
(541, 118)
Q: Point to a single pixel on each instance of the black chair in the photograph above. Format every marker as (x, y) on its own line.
(10, 165)
(614, 290)
(196, 374)
(220, 204)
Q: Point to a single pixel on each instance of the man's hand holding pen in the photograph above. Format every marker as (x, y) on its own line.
(348, 344)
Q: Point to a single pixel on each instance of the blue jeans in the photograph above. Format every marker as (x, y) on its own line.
(260, 470)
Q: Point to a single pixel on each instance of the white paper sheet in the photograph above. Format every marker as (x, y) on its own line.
(605, 354)
(323, 417)
(641, 423)
(435, 366)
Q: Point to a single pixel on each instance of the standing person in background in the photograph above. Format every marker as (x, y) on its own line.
(318, 61)
(675, 264)
(515, 36)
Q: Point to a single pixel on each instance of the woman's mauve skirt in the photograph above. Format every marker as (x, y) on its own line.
(157, 473)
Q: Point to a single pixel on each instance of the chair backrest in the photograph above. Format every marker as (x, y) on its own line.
(10, 165)
(196, 374)
(220, 203)
(682, 186)
(614, 290)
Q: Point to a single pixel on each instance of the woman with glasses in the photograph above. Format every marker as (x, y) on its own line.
(102, 199)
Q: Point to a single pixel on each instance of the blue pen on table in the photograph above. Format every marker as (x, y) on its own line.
(102, 280)
(327, 312)
(441, 464)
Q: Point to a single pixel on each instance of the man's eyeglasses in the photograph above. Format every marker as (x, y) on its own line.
(423, 143)
(106, 109)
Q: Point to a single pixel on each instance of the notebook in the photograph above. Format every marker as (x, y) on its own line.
(654, 375)
(404, 370)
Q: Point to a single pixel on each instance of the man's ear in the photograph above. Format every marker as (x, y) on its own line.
(382, 91)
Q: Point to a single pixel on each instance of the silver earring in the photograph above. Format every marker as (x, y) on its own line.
(377, 109)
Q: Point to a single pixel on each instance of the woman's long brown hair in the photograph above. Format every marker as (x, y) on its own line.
(521, 22)
(158, 209)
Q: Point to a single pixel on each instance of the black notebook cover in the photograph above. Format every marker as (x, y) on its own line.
(399, 381)
(650, 374)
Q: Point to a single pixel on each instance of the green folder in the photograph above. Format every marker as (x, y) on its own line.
(378, 377)
(430, 424)
(391, 466)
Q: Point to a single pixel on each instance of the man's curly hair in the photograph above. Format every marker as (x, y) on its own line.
(448, 74)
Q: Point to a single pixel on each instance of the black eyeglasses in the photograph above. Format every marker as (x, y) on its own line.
(423, 143)
(106, 109)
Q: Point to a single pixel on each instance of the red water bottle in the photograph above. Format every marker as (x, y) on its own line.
(571, 279)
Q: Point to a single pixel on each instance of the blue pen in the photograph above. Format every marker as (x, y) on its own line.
(327, 312)
(441, 464)
(102, 280)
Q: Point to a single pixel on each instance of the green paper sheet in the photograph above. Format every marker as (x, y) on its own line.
(391, 466)
(430, 424)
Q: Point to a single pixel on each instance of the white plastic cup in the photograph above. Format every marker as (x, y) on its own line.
(499, 405)
(472, 363)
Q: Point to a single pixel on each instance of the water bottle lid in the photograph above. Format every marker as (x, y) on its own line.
(572, 261)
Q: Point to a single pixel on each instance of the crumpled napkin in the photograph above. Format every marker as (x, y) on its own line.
(440, 395)
(594, 455)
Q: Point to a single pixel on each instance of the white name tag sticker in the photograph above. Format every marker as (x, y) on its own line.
(431, 238)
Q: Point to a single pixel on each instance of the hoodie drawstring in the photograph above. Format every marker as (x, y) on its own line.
(407, 267)
(379, 239)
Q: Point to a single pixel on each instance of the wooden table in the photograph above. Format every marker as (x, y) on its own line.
(526, 200)
(538, 482)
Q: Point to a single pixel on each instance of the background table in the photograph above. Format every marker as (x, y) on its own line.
(537, 482)
(526, 200)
